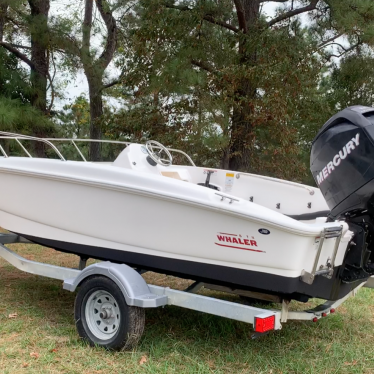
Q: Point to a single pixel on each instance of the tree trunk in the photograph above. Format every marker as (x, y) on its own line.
(3, 11)
(225, 159)
(242, 136)
(241, 127)
(94, 69)
(96, 111)
(39, 57)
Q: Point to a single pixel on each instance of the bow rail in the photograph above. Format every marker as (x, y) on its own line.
(49, 142)
(17, 137)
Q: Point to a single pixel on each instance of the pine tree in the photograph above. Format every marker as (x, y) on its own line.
(261, 75)
(34, 23)
(78, 37)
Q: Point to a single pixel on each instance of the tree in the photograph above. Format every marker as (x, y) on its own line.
(95, 68)
(36, 25)
(13, 78)
(74, 119)
(94, 63)
(16, 113)
(351, 82)
(74, 123)
(264, 72)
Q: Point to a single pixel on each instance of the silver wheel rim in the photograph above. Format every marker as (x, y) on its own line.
(102, 314)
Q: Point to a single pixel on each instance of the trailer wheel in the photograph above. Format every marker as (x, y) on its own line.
(103, 318)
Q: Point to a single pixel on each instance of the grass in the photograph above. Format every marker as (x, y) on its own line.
(37, 334)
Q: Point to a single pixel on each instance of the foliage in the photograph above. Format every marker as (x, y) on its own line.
(262, 91)
(230, 85)
(16, 113)
(74, 123)
(79, 40)
(351, 82)
(75, 118)
(13, 79)
(16, 116)
(23, 93)
(195, 71)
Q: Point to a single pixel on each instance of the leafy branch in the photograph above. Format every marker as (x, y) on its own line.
(312, 5)
(206, 17)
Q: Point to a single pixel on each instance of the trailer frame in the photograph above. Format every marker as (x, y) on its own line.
(138, 294)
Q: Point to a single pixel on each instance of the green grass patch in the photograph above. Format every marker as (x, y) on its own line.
(37, 334)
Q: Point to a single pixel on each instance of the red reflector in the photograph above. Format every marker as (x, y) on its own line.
(332, 310)
(324, 314)
(264, 324)
(315, 319)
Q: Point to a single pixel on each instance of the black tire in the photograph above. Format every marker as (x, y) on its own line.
(130, 319)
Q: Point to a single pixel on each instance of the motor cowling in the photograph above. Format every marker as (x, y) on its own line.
(342, 160)
(342, 164)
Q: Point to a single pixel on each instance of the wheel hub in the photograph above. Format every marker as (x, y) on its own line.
(103, 315)
(107, 314)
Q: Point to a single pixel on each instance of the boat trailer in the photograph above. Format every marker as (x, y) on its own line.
(109, 306)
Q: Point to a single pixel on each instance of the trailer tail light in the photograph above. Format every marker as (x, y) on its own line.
(264, 324)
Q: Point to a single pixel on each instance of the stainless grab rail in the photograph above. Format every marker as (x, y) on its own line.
(17, 137)
(87, 140)
(73, 141)
(112, 142)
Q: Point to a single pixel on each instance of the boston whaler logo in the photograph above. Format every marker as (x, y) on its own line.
(337, 159)
(264, 231)
(237, 241)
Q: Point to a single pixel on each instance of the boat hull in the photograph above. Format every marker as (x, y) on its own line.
(169, 226)
(285, 287)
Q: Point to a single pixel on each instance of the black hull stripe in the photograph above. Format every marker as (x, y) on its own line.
(293, 288)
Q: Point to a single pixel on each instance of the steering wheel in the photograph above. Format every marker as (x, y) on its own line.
(155, 150)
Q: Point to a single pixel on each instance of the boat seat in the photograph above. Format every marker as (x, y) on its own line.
(171, 174)
(180, 174)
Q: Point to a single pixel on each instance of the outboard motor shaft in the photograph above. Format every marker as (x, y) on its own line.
(342, 164)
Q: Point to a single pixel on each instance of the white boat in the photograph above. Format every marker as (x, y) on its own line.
(220, 227)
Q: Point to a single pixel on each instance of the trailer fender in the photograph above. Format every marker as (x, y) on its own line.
(134, 288)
